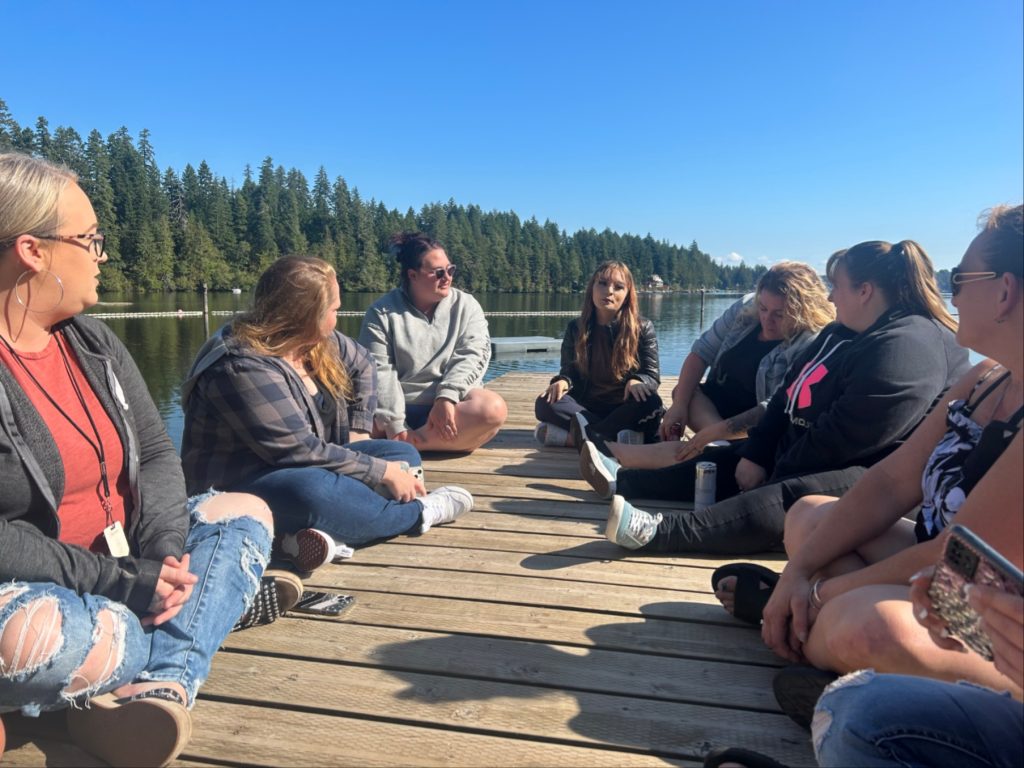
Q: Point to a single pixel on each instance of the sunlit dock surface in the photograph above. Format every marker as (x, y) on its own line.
(516, 636)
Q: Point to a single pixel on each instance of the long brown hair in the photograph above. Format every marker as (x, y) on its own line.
(627, 341)
(903, 272)
(292, 296)
(806, 297)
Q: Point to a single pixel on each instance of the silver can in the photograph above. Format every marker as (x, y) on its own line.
(704, 485)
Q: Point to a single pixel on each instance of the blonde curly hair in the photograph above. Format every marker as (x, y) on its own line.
(807, 304)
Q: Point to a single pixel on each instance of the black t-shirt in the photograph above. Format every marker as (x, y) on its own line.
(732, 383)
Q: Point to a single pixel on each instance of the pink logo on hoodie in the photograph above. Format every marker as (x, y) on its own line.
(804, 397)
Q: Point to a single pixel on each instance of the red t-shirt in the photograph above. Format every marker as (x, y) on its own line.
(80, 513)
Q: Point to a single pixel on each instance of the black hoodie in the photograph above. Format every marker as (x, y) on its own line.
(853, 398)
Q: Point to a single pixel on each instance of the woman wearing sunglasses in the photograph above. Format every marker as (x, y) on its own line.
(431, 346)
(842, 600)
(279, 403)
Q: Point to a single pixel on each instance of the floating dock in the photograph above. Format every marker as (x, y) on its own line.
(515, 636)
(518, 345)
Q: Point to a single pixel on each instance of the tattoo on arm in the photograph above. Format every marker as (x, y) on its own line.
(741, 422)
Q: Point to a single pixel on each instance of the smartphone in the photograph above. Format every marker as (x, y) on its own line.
(970, 560)
(323, 603)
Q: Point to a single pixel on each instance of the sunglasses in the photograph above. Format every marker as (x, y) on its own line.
(96, 242)
(440, 272)
(958, 278)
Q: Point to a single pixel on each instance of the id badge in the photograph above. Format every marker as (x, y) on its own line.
(117, 542)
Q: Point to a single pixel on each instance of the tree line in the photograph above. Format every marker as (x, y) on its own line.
(177, 231)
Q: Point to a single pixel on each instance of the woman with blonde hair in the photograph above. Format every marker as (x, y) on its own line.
(609, 372)
(115, 589)
(280, 404)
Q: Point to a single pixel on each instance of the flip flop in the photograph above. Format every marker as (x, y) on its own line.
(797, 689)
(744, 757)
(749, 596)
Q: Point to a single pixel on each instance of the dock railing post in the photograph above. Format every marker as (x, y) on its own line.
(703, 291)
(206, 310)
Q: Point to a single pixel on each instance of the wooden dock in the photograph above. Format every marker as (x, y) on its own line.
(516, 636)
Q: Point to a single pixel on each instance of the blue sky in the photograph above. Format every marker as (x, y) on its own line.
(765, 130)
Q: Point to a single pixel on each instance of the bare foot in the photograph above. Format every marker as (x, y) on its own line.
(726, 592)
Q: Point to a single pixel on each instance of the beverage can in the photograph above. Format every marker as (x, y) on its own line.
(704, 485)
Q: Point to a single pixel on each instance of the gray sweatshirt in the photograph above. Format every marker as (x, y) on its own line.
(420, 359)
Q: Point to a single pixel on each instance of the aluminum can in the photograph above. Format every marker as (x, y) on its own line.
(630, 437)
(704, 485)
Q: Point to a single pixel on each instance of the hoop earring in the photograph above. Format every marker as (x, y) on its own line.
(20, 280)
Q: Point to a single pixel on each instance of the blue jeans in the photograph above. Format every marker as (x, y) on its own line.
(228, 556)
(875, 720)
(345, 508)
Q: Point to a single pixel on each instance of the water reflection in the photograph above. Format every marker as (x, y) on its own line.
(164, 347)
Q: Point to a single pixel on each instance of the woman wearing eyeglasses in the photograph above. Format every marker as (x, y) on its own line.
(431, 346)
(115, 589)
(841, 602)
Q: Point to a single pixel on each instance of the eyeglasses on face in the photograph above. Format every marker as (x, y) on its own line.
(958, 278)
(440, 272)
(96, 242)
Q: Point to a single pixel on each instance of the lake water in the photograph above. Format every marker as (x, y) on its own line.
(164, 347)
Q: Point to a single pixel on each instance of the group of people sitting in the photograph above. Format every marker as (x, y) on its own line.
(850, 437)
(123, 567)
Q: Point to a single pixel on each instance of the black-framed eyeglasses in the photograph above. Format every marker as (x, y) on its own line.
(97, 242)
(441, 271)
(958, 278)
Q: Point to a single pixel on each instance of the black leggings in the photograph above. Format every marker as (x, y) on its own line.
(739, 523)
(606, 419)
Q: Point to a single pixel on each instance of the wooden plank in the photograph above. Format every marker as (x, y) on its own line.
(635, 633)
(518, 660)
(540, 591)
(259, 736)
(595, 562)
(497, 708)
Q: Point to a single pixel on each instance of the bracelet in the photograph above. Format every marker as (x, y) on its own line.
(815, 597)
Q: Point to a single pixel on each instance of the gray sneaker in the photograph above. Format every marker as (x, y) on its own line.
(598, 470)
(444, 505)
(628, 526)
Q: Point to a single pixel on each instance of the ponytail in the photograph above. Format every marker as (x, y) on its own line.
(902, 272)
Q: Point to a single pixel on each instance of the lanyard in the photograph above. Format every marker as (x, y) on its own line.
(96, 446)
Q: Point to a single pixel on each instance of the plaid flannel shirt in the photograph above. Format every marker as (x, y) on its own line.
(247, 414)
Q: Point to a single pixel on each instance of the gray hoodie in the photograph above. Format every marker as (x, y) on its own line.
(420, 359)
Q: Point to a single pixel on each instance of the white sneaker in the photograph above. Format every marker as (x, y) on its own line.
(445, 505)
(628, 526)
(598, 470)
(307, 549)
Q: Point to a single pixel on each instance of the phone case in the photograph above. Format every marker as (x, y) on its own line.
(323, 603)
(969, 560)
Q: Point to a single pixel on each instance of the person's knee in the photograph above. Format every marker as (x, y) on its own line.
(104, 657)
(857, 634)
(225, 506)
(31, 635)
(801, 519)
(494, 409)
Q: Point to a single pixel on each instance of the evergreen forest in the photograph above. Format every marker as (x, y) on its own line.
(170, 231)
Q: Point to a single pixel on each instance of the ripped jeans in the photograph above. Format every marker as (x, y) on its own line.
(228, 556)
(876, 720)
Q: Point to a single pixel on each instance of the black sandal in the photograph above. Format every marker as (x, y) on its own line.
(797, 690)
(750, 595)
